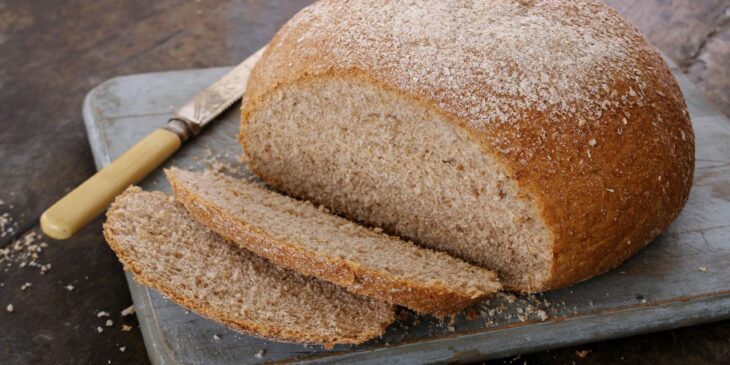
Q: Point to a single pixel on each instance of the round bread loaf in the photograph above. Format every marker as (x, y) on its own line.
(546, 140)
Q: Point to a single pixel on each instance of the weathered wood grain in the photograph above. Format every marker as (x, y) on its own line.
(695, 34)
(710, 70)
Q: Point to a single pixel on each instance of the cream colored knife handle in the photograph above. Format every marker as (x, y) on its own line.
(91, 198)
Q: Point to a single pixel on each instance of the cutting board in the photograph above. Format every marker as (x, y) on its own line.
(680, 279)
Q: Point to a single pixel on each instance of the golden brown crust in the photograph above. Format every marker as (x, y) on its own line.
(270, 331)
(607, 173)
(432, 298)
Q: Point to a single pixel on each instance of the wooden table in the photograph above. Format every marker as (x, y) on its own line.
(53, 52)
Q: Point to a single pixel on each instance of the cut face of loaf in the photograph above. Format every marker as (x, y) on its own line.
(156, 239)
(543, 139)
(381, 159)
(298, 235)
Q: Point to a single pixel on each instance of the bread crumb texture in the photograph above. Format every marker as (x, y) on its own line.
(575, 107)
(300, 236)
(166, 249)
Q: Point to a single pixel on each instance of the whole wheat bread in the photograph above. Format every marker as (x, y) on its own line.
(308, 239)
(543, 139)
(166, 249)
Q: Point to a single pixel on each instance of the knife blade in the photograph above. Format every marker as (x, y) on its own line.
(92, 197)
(209, 104)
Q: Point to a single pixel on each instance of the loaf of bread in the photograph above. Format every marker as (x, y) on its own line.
(546, 140)
(166, 249)
(311, 241)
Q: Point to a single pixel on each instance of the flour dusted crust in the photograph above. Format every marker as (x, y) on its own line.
(567, 96)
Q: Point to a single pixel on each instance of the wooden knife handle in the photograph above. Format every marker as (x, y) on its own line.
(91, 198)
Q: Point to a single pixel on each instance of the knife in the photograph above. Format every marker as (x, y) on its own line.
(91, 198)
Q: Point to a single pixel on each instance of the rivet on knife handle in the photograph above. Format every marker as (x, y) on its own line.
(89, 199)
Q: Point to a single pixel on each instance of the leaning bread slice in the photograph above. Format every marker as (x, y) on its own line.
(298, 235)
(166, 249)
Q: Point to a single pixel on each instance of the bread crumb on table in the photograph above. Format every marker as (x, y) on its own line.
(102, 314)
(10, 308)
(216, 337)
(109, 323)
(99, 329)
(260, 354)
(126, 328)
(25, 286)
(702, 268)
(25, 252)
(127, 311)
(541, 315)
(7, 224)
(582, 353)
(69, 287)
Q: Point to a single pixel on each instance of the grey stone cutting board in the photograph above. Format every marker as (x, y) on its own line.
(680, 279)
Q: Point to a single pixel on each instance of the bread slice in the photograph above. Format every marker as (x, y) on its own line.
(156, 239)
(298, 235)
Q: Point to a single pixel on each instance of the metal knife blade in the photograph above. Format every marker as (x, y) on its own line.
(211, 102)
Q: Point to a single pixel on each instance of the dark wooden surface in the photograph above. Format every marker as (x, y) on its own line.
(52, 52)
